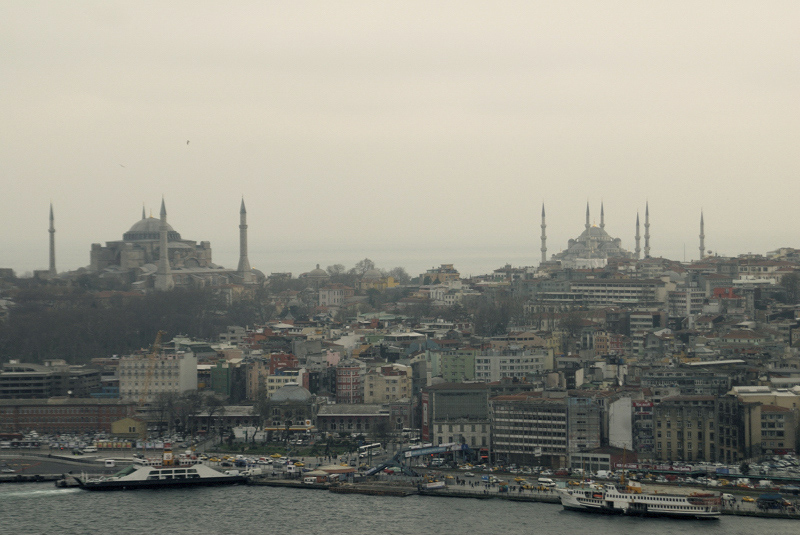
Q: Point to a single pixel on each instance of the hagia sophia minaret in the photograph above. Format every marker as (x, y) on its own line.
(702, 237)
(52, 232)
(544, 237)
(163, 280)
(244, 264)
(638, 250)
(647, 230)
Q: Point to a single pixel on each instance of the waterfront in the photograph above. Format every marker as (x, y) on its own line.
(33, 508)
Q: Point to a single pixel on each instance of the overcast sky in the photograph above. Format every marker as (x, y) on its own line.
(413, 133)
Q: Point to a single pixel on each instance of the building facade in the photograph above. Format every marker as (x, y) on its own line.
(62, 415)
(143, 379)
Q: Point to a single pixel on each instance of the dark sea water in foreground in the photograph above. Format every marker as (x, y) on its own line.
(40, 508)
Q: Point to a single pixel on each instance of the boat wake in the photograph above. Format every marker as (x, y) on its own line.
(38, 493)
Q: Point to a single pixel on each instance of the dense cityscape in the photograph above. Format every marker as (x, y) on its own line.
(595, 357)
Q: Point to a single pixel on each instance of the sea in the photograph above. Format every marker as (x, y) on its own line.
(36, 508)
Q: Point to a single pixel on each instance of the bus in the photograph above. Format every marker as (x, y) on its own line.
(364, 450)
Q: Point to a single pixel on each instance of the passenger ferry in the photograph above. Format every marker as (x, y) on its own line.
(611, 500)
(164, 473)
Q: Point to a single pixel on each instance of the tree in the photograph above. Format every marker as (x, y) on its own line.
(744, 468)
(383, 431)
(213, 406)
(336, 270)
(400, 275)
(363, 266)
(164, 409)
(374, 298)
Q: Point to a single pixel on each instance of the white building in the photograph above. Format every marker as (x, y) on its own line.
(493, 366)
(141, 377)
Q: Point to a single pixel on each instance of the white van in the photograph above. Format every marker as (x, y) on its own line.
(90, 449)
(546, 482)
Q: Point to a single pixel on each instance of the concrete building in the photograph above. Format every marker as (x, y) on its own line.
(55, 378)
(387, 384)
(492, 366)
(456, 412)
(142, 378)
(282, 377)
(699, 428)
(441, 275)
(62, 415)
(350, 419)
(529, 429)
(457, 365)
(334, 295)
(349, 386)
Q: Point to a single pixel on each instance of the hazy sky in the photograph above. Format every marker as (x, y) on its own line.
(414, 133)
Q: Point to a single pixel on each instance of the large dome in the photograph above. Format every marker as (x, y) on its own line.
(372, 274)
(595, 233)
(149, 229)
(291, 392)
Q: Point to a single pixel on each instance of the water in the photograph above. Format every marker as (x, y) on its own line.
(35, 508)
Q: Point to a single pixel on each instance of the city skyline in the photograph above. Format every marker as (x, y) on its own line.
(413, 134)
(470, 259)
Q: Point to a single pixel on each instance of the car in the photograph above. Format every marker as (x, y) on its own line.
(747, 499)
(7, 471)
(469, 474)
(298, 463)
(276, 455)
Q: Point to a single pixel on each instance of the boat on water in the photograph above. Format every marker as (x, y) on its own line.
(609, 499)
(164, 473)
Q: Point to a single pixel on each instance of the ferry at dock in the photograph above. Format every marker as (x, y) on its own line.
(163, 473)
(608, 499)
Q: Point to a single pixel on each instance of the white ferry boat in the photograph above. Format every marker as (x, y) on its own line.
(163, 473)
(610, 500)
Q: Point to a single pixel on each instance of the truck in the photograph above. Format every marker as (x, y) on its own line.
(254, 472)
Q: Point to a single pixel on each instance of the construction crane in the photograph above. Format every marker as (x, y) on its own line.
(151, 366)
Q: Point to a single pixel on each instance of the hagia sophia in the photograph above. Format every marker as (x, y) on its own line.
(136, 259)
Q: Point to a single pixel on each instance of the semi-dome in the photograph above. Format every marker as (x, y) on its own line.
(149, 229)
(291, 392)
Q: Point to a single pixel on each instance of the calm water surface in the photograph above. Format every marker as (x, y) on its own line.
(36, 508)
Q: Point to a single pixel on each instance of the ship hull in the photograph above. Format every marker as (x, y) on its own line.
(161, 484)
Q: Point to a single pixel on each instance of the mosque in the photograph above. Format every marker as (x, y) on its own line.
(137, 258)
(594, 247)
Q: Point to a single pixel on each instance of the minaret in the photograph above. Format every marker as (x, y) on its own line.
(544, 237)
(143, 215)
(647, 230)
(638, 239)
(52, 232)
(602, 217)
(244, 264)
(587, 216)
(163, 274)
(702, 237)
